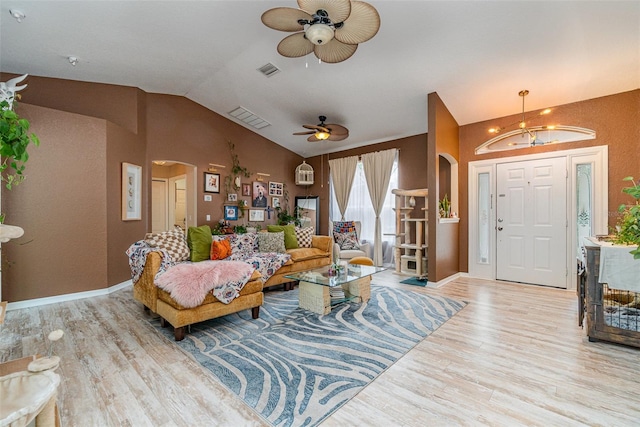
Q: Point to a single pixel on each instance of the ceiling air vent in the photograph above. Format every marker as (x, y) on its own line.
(249, 118)
(268, 69)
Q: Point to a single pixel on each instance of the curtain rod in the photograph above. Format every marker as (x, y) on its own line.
(360, 155)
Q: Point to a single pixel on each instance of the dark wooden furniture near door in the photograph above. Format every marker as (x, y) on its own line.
(609, 314)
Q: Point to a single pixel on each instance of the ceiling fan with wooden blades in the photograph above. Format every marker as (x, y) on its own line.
(322, 131)
(331, 29)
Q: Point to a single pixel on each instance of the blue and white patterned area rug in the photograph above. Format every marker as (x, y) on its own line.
(294, 367)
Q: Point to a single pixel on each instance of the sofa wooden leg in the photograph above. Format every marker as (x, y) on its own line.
(255, 312)
(163, 322)
(179, 333)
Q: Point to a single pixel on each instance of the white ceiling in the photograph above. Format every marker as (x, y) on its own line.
(476, 55)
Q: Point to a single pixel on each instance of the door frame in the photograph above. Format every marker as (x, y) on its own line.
(598, 156)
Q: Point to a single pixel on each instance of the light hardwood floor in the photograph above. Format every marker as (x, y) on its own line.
(514, 356)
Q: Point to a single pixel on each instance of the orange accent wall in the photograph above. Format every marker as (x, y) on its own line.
(443, 251)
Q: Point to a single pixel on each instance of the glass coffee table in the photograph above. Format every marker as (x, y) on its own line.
(319, 290)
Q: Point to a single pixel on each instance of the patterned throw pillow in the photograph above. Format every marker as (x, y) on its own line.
(304, 236)
(172, 241)
(271, 242)
(344, 226)
(242, 244)
(345, 235)
(347, 241)
(290, 238)
(220, 249)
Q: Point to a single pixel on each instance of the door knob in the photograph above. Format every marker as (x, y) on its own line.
(500, 219)
(499, 228)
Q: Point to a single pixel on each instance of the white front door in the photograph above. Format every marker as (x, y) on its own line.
(531, 225)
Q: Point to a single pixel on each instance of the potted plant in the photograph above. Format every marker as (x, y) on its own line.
(16, 138)
(253, 227)
(284, 217)
(627, 230)
(444, 207)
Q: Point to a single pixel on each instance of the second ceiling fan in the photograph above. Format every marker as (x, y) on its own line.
(322, 131)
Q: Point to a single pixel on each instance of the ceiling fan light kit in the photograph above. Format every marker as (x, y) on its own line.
(321, 135)
(319, 34)
(323, 132)
(331, 29)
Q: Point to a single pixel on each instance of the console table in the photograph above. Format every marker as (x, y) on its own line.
(611, 314)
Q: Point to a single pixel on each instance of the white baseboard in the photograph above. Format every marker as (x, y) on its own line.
(67, 297)
(445, 280)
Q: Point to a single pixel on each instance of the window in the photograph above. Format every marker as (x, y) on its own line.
(360, 209)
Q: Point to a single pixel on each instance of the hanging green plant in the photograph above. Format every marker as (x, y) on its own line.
(13, 147)
(237, 172)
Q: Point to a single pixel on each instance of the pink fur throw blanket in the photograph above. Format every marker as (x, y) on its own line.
(188, 283)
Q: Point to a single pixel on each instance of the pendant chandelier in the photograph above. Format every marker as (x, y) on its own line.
(524, 135)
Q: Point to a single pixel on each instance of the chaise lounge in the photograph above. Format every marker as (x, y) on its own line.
(160, 301)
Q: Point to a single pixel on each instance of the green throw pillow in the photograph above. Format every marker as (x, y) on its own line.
(199, 242)
(290, 238)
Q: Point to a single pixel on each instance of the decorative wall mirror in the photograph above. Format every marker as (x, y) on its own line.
(309, 211)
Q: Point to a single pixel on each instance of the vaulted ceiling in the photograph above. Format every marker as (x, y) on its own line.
(476, 55)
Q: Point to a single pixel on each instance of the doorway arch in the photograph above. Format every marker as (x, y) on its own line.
(180, 197)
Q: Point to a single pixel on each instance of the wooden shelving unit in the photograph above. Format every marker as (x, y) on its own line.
(411, 233)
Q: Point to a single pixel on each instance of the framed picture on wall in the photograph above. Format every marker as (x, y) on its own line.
(231, 213)
(211, 182)
(256, 215)
(259, 195)
(275, 188)
(246, 189)
(131, 192)
(232, 197)
(275, 202)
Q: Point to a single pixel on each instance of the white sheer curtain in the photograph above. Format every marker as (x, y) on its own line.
(359, 209)
(342, 171)
(377, 171)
